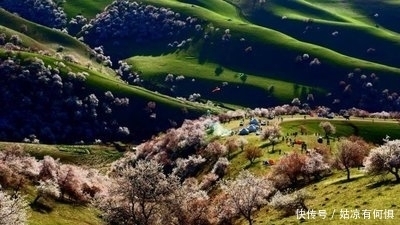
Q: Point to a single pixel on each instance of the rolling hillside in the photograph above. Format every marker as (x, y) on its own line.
(42, 38)
(342, 42)
(330, 193)
(40, 42)
(282, 46)
(125, 75)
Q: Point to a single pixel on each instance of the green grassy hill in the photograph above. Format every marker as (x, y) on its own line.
(332, 193)
(264, 44)
(237, 91)
(275, 43)
(89, 9)
(43, 38)
(356, 31)
(40, 38)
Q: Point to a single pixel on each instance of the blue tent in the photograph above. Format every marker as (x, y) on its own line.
(252, 128)
(244, 131)
(254, 121)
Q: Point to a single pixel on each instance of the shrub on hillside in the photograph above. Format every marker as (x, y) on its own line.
(270, 132)
(214, 150)
(70, 182)
(187, 205)
(290, 203)
(220, 168)
(126, 73)
(187, 167)
(16, 167)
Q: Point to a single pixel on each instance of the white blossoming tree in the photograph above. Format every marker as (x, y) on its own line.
(246, 194)
(139, 194)
(350, 153)
(384, 159)
(290, 202)
(12, 209)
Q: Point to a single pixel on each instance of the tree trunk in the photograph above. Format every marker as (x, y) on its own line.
(36, 199)
(348, 173)
(250, 220)
(396, 174)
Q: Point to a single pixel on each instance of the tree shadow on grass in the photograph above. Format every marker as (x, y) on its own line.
(234, 154)
(251, 165)
(344, 180)
(381, 183)
(42, 207)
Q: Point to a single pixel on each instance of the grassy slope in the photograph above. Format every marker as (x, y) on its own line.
(283, 46)
(26, 40)
(162, 65)
(224, 15)
(371, 131)
(50, 39)
(267, 36)
(87, 8)
(329, 17)
(332, 193)
(64, 214)
(387, 10)
(104, 82)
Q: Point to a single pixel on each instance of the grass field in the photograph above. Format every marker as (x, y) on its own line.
(263, 34)
(87, 8)
(43, 38)
(96, 156)
(332, 193)
(158, 67)
(329, 17)
(102, 82)
(373, 132)
(276, 42)
(369, 130)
